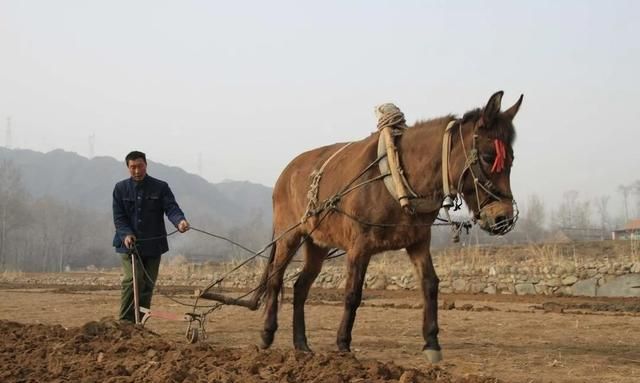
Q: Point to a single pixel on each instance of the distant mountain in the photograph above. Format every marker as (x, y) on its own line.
(88, 183)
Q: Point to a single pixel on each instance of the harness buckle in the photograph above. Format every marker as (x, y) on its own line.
(447, 203)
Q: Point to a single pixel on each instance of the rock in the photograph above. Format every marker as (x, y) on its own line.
(587, 287)
(379, 283)
(477, 287)
(570, 280)
(623, 286)
(525, 289)
(460, 285)
(491, 289)
(553, 282)
(542, 289)
(506, 288)
(392, 287)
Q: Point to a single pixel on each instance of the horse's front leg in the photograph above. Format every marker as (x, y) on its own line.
(356, 269)
(421, 258)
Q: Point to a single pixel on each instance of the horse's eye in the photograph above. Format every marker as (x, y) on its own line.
(488, 158)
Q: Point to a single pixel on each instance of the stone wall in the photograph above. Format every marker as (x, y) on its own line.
(603, 268)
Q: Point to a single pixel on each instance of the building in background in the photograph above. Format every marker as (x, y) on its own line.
(630, 231)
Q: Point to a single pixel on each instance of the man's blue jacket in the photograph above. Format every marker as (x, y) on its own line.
(138, 209)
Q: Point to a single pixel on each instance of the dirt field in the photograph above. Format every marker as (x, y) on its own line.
(484, 338)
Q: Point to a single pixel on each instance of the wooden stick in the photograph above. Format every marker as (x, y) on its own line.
(229, 300)
(394, 167)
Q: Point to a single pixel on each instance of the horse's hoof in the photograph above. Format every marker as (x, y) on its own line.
(264, 346)
(433, 356)
(344, 348)
(267, 340)
(302, 347)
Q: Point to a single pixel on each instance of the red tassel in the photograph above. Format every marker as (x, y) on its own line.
(501, 154)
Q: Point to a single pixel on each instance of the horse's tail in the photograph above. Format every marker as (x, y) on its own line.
(261, 289)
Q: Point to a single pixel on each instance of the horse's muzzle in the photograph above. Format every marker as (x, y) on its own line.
(498, 218)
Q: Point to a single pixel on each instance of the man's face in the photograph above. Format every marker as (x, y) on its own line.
(137, 169)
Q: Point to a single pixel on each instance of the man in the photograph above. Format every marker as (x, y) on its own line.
(139, 204)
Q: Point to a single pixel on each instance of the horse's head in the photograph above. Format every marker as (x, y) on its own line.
(486, 155)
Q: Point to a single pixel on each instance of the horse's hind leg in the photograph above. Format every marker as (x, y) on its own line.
(421, 258)
(313, 258)
(357, 264)
(285, 249)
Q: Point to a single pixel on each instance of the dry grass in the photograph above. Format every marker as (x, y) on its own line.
(570, 256)
(11, 275)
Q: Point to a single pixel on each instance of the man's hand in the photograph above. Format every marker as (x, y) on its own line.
(129, 241)
(183, 226)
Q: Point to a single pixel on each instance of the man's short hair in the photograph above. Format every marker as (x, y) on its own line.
(134, 156)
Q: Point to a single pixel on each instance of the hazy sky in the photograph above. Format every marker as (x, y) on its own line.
(247, 85)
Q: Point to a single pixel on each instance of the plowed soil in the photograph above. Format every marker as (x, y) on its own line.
(68, 334)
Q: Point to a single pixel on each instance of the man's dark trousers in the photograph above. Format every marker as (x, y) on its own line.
(146, 280)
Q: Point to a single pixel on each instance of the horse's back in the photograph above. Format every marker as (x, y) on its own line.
(290, 194)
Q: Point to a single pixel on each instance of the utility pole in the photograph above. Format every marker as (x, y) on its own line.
(200, 164)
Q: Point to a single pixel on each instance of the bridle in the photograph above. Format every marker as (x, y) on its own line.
(481, 180)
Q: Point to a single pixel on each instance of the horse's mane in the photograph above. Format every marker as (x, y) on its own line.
(502, 129)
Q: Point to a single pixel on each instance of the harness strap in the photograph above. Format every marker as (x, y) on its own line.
(314, 188)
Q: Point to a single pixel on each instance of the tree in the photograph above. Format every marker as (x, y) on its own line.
(12, 206)
(566, 209)
(625, 190)
(532, 221)
(601, 204)
(635, 187)
(574, 213)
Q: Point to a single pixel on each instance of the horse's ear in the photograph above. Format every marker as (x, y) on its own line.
(511, 112)
(493, 107)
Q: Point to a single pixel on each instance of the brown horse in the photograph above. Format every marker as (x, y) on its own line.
(368, 220)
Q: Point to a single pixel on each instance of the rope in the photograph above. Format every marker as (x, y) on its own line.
(282, 267)
(390, 116)
(210, 285)
(314, 188)
(388, 225)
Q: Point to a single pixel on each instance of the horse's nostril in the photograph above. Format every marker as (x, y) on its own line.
(501, 218)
